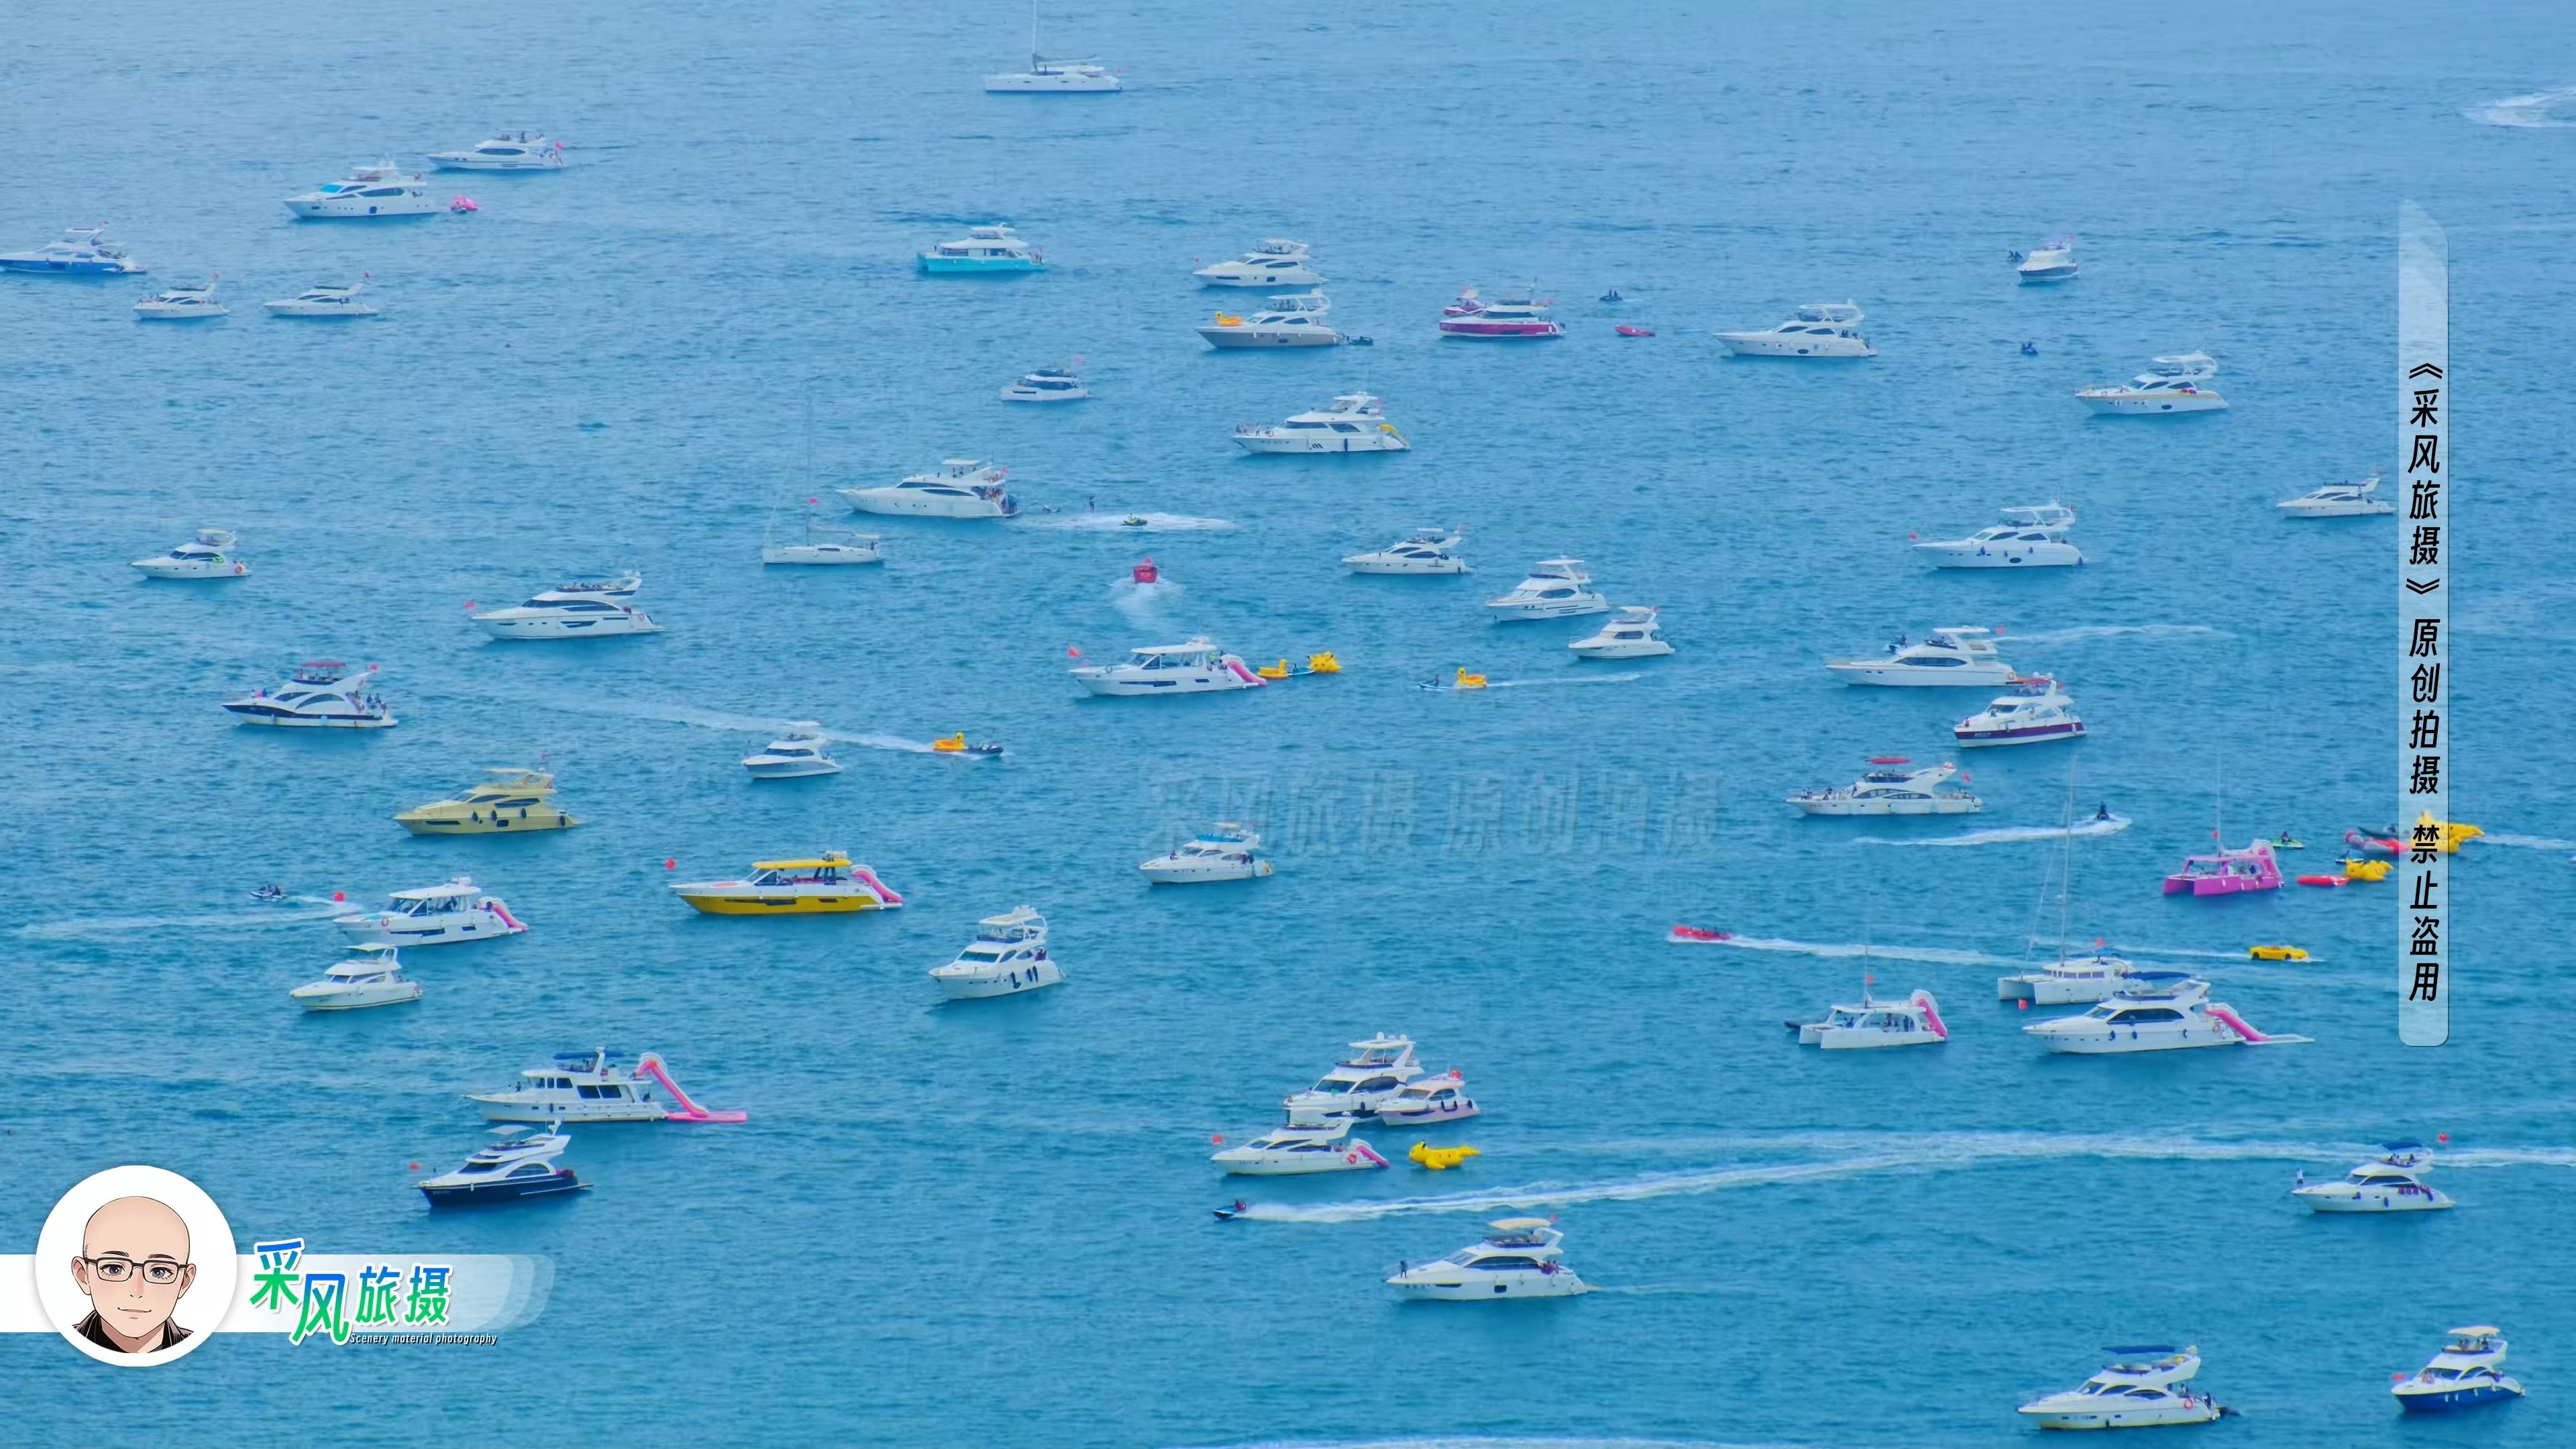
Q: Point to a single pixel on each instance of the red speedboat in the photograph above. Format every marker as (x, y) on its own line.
(2227, 873)
(1518, 317)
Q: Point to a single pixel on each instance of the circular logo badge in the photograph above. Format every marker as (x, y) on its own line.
(135, 1266)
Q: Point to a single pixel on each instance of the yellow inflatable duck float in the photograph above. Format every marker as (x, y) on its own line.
(2276, 953)
(1325, 663)
(1469, 681)
(2454, 834)
(1440, 1159)
(952, 745)
(2365, 870)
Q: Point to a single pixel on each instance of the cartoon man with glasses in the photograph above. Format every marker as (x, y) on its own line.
(134, 1267)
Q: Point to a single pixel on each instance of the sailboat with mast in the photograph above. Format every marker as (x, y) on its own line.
(1053, 76)
(2070, 980)
(822, 545)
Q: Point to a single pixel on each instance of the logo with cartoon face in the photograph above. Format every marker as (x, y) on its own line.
(134, 1266)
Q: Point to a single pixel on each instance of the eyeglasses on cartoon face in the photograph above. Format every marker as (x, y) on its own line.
(160, 1273)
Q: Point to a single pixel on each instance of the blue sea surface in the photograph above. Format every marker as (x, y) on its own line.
(988, 1223)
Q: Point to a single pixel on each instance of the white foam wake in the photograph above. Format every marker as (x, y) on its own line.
(2526, 842)
(1111, 522)
(316, 908)
(1936, 955)
(2085, 632)
(2540, 108)
(2008, 834)
(697, 717)
(1143, 603)
(1570, 679)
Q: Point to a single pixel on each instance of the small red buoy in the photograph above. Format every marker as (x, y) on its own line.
(2441, 1136)
(415, 1167)
(2023, 1003)
(1217, 1138)
(335, 895)
(469, 603)
(1076, 653)
(670, 863)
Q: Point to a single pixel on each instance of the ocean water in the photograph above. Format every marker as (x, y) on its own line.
(987, 1224)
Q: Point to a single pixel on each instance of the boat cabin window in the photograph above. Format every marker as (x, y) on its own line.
(1332, 1087)
(531, 1169)
(1507, 1263)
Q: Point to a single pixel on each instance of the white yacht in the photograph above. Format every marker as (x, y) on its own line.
(320, 694)
(2036, 712)
(2069, 981)
(1355, 422)
(509, 151)
(1914, 1021)
(962, 488)
(2392, 1182)
(1518, 1258)
(2171, 384)
(1958, 656)
(323, 300)
(1892, 786)
(1825, 329)
(1049, 76)
(372, 976)
(181, 304)
(1516, 316)
(1196, 667)
(1291, 320)
(794, 755)
(580, 610)
(2340, 500)
(2032, 537)
(1372, 1076)
(438, 915)
(2467, 1372)
(1429, 1102)
(207, 556)
(1047, 385)
(1227, 854)
(1007, 956)
(1307, 1144)
(824, 547)
(1557, 588)
(1277, 262)
(992, 248)
(1423, 551)
(2139, 1387)
(1628, 634)
(381, 190)
(585, 1086)
(84, 251)
(2153, 1011)
(2052, 260)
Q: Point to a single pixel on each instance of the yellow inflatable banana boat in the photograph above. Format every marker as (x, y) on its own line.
(1440, 1159)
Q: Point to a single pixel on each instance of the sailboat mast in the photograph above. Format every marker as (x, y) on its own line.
(2066, 876)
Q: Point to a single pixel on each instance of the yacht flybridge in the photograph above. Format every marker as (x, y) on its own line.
(1824, 329)
(379, 191)
(962, 488)
(1517, 1258)
(2153, 1011)
(1957, 656)
(84, 251)
(1892, 785)
(210, 555)
(1423, 551)
(321, 694)
(1007, 956)
(2032, 537)
(2036, 711)
(2176, 383)
(2340, 500)
(513, 800)
(1194, 667)
(1354, 422)
(1294, 319)
(1372, 1076)
(1275, 263)
(1557, 588)
(2139, 1387)
(2392, 1182)
(509, 151)
(578, 610)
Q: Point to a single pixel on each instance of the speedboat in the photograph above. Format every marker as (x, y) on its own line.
(84, 251)
(320, 694)
(2035, 711)
(1225, 855)
(2171, 384)
(579, 610)
(794, 755)
(1294, 319)
(1197, 667)
(1007, 956)
(1429, 1101)
(181, 304)
(1557, 588)
(2227, 873)
(323, 300)
(1275, 263)
(439, 915)
(994, 248)
(514, 1169)
(2027, 538)
(591, 1086)
(1371, 1077)
(1915, 1021)
(1354, 423)
(962, 488)
(2139, 1387)
(2392, 1182)
(1423, 551)
(1892, 786)
(1307, 1144)
(826, 884)
(956, 745)
(1825, 329)
(819, 548)
(372, 976)
(2467, 1372)
(1517, 316)
(2153, 1011)
(512, 801)
(2340, 500)
(510, 151)
(1518, 1258)
(207, 556)
(1957, 655)
(2069, 981)
(1628, 634)
(2051, 261)
(1047, 385)
(381, 190)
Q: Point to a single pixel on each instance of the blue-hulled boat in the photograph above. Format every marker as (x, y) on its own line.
(84, 251)
(514, 1169)
(2467, 1372)
(993, 248)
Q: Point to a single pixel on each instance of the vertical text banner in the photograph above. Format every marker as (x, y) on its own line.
(2424, 545)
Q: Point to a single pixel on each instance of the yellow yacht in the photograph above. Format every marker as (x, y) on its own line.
(828, 883)
(511, 801)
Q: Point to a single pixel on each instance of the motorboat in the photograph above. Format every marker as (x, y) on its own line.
(1294, 319)
(1277, 262)
(84, 251)
(323, 300)
(1423, 551)
(512, 802)
(1517, 316)
(2035, 712)
(825, 546)
(1352, 423)
(2052, 260)
(2340, 500)
(793, 755)
(2228, 872)
(2153, 1011)
(517, 1168)
(956, 745)
(1227, 853)
(1892, 785)
(439, 915)
(509, 151)
(1047, 385)
(1825, 329)
(1358, 1085)
(1517, 1258)
(1629, 633)
(1429, 1101)
(592, 1086)
(1007, 956)
(372, 976)
(2033, 537)
(276, 895)
(2467, 1372)
(1557, 588)
(382, 190)
(181, 304)
(2171, 384)
(320, 694)
(1956, 656)
(994, 248)
(1195, 667)
(2068, 981)
(1307, 1144)
(207, 556)
(1914, 1021)
(2392, 1182)
(2140, 1387)
(584, 609)
(962, 488)
(823, 885)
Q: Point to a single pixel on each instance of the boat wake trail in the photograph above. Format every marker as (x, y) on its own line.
(2541, 108)
(314, 908)
(2528, 842)
(1577, 679)
(1143, 602)
(1936, 955)
(1117, 522)
(748, 724)
(2119, 631)
(2009, 834)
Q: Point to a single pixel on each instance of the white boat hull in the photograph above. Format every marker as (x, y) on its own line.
(158, 312)
(315, 309)
(1230, 337)
(1280, 281)
(315, 721)
(2120, 1418)
(1032, 395)
(1213, 680)
(820, 554)
(905, 503)
(1365, 563)
(356, 998)
(467, 161)
(501, 624)
(981, 984)
(1937, 806)
(1833, 1040)
(2030, 735)
(2301, 508)
(362, 208)
(1767, 344)
(1166, 871)
(1065, 84)
(2368, 1200)
(2041, 989)
(1464, 1287)
(1624, 649)
(2061, 272)
(1902, 676)
(2000, 555)
(2152, 404)
(2104, 1042)
(1550, 609)
(574, 1111)
(441, 930)
(194, 568)
(789, 769)
(1308, 443)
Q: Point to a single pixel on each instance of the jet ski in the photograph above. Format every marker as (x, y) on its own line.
(270, 893)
